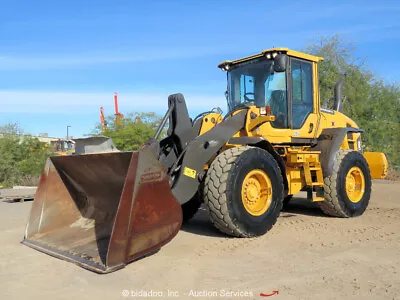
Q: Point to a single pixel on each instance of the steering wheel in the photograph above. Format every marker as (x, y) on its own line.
(247, 98)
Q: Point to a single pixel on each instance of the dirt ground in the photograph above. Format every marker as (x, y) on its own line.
(305, 256)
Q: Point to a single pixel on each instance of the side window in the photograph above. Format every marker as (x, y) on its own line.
(302, 93)
(247, 86)
(275, 92)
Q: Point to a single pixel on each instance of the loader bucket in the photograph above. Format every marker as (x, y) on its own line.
(101, 211)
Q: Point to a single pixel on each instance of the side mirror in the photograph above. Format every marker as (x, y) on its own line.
(280, 63)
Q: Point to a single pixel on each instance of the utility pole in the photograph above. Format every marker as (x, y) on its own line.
(68, 126)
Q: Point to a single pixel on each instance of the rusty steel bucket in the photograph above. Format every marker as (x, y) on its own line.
(101, 211)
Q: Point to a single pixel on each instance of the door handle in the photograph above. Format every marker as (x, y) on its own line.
(311, 128)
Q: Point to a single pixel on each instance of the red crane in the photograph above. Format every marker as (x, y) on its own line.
(102, 120)
(118, 115)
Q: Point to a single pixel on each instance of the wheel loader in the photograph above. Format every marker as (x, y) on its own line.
(103, 208)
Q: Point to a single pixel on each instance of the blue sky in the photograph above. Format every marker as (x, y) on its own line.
(61, 60)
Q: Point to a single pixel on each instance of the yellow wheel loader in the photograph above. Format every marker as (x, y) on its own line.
(102, 208)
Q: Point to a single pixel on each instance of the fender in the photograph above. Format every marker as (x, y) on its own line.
(329, 144)
(266, 145)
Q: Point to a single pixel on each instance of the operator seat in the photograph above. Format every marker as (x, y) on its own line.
(278, 105)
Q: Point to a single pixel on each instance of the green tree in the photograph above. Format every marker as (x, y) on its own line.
(371, 103)
(133, 131)
(22, 157)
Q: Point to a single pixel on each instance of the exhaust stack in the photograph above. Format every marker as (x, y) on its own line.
(338, 96)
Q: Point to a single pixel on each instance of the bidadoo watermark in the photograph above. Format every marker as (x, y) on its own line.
(149, 293)
(223, 293)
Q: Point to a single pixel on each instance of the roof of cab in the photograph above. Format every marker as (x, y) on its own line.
(289, 52)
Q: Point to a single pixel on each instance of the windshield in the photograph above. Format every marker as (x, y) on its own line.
(256, 82)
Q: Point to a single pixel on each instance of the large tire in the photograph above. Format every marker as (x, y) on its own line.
(190, 208)
(337, 199)
(223, 191)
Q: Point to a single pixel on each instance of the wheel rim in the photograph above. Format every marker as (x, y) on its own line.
(256, 192)
(355, 184)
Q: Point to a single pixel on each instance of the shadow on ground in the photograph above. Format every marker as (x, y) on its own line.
(301, 206)
(201, 224)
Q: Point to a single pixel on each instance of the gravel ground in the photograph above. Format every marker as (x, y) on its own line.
(306, 256)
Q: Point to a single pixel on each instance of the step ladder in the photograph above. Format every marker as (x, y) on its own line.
(310, 168)
(314, 181)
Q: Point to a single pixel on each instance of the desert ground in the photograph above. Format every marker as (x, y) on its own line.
(305, 256)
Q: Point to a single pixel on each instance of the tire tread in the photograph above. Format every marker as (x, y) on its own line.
(332, 204)
(215, 191)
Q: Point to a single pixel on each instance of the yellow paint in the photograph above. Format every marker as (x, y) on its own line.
(377, 163)
(355, 184)
(300, 165)
(303, 168)
(335, 120)
(258, 121)
(256, 192)
(254, 119)
(278, 135)
(296, 156)
(209, 121)
(253, 110)
(289, 52)
(295, 179)
(316, 198)
(316, 101)
(311, 128)
(314, 123)
(189, 172)
(352, 142)
(298, 54)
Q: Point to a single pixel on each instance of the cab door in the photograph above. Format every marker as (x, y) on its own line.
(293, 98)
(303, 107)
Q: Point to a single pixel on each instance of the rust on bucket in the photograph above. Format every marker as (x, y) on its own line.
(102, 211)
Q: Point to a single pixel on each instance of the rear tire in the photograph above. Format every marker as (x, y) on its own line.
(224, 188)
(343, 196)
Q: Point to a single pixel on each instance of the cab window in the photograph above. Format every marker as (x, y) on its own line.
(247, 88)
(275, 93)
(256, 83)
(302, 97)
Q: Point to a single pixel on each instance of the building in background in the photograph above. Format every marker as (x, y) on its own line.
(60, 146)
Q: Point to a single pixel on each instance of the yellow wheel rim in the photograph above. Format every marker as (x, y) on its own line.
(256, 192)
(355, 184)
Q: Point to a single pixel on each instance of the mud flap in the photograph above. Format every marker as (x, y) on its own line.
(102, 211)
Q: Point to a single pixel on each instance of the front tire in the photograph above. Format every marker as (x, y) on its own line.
(348, 189)
(244, 191)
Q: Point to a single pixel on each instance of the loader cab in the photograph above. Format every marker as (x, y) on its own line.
(281, 79)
